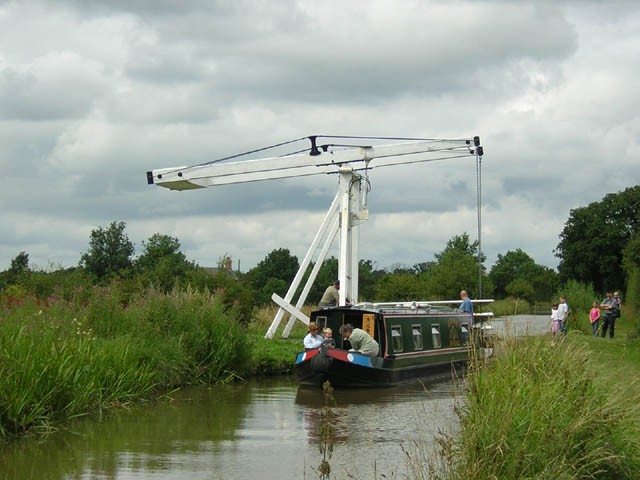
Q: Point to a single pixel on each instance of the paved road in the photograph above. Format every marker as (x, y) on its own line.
(522, 325)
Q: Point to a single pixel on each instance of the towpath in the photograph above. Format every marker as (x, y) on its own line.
(522, 325)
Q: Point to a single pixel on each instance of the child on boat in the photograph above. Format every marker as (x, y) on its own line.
(556, 319)
(328, 341)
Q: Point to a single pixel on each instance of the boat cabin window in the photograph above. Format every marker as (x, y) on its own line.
(435, 335)
(396, 335)
(417, 336)
(464, 333)
(322, 323)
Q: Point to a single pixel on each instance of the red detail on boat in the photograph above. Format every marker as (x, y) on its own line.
(339, 354)
(310, 353)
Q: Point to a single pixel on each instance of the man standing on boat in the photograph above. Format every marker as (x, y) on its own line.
(466, 305)
(331, 296)
(360, 340)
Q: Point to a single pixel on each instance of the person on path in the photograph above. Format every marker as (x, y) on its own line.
(618, 299)
(563, 308)
(360, 340)
(312, 340)
(611, 312)
(594, 318)
(556, 319)
(466, 305)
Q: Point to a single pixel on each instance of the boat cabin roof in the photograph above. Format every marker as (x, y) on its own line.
(418, 308)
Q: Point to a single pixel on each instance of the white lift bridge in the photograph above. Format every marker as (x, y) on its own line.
(350, 160)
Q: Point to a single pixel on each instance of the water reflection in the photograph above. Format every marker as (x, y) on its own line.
(260, 429)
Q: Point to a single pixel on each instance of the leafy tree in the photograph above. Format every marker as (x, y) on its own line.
(401, 269)
(591, 243)
(456, 269)
(110, 252)
(279, 264)
(462, 245)
(162, 263)
(631, 253)
(520, 288)
(327, 274)
(518, 265)
(399, 287)
(631, 262)
(369, 278)
(19, 264)
(274, 285)
(17, 272)
(423, 267)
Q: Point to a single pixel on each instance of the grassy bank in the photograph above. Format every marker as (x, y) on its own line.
(273, 356)
(62, 358)
(562, 409)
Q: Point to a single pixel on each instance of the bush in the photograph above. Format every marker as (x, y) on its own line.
(399, 287)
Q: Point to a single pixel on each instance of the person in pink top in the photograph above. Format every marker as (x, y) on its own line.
(556, 319)
(594, 318)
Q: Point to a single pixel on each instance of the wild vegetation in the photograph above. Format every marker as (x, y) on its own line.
(543, 409)
(63, 357)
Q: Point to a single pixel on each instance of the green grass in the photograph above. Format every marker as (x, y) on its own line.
(542, 408)
(509, 306)
(273, 356)
(63, 358)
(60, 359)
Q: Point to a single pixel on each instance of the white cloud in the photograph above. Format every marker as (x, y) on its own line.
(94, 94)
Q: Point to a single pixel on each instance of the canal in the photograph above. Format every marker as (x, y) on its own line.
(265, 429)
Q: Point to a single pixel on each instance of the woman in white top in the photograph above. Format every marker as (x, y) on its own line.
(312, 340)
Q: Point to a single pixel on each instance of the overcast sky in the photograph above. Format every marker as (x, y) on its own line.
(95, 93)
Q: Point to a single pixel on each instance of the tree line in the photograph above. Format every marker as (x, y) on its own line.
(599, 245)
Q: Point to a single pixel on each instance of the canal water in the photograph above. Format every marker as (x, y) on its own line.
(266, 429)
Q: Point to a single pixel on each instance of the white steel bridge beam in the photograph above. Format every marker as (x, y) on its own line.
(303, 266)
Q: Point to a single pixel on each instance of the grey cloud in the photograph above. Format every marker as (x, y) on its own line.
(56, 87)
(280, 52)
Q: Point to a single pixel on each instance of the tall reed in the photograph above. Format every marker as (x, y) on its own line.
(63, 358)
(539, 410)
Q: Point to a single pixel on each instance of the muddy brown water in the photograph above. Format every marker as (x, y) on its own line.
(259, 429)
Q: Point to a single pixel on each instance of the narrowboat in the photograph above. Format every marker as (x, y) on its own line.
(416, 340)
